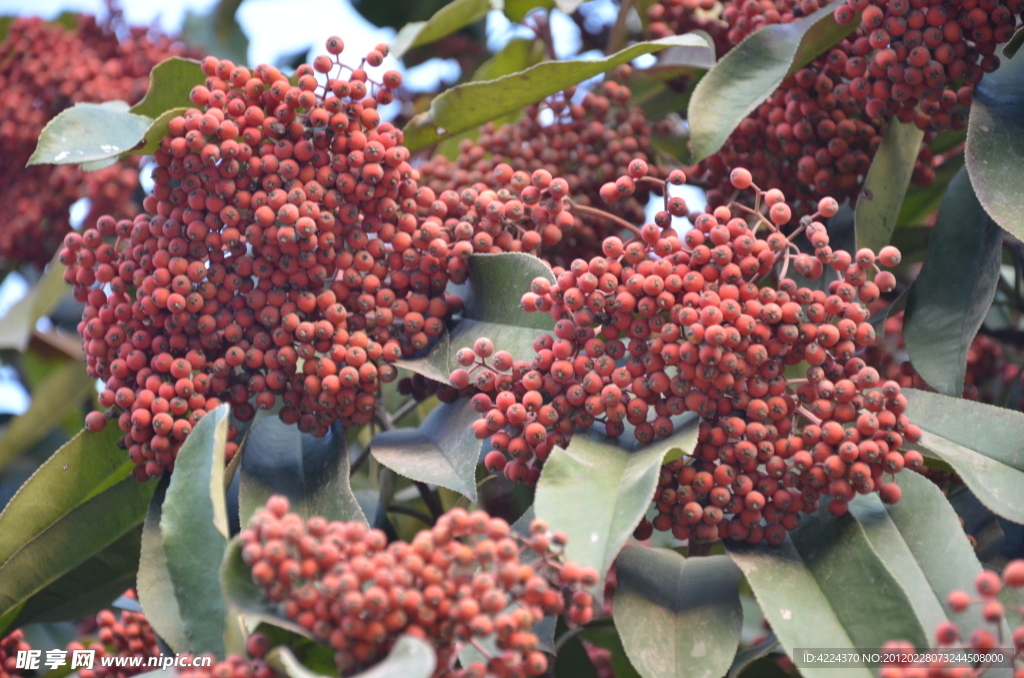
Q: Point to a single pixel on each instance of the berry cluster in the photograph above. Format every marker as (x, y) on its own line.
(282, 228)
(10, 645)
(467, 579)
(948, 635)
(45, 68)
(737, 19)
(816, 135)
(667, 324)
(586, 143)
(127, 636)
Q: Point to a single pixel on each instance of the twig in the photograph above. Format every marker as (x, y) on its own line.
(359, 461)
(430, 499)
(405, 408)
(567, 636)
(618, 32)
(601, 214)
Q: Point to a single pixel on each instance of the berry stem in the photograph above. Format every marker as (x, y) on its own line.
(595, 212)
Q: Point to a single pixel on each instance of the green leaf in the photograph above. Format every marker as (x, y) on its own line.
(748, 656)
(596, 491)
(285, 663)
(410, 657)
(170, 83)
(995, 145)
(677, 617)
(61, 393)
(194, 523)
(60, 545)
(218, 32)
(471, 104)
(447, 20)
(155, 589)
(952, 294)
(603, 634)
(751, 71)
(442, 451)
(245, 598)
(88, 464)
(396, 13)
(516, 10)
(930, 529)
(312, 472)
(826, 587)
(87, 588)
(878, 205)
(923, 201)
(983, 444)
(1011, 48)
(496, 285)
(89, 132)
(5, 26)
(155, 133)
(17, 325)
(572, 660)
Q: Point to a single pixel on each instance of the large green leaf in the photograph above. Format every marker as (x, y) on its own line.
(677, 617)
(952, 294)
(496, 285)
(447, 20)
(154, 586)
(469, 105)
(17, 325)
(245, 598)
(194, 524)
(928, 527)
(995, 144)
(596, 491)
(312, 472)
(89, 132)
(751, 71)
(88, 464)
(61, 393)
(59, 546)
(170, 83)
(827, 587)
(442, 451)
(983, 444)
(878, 205)
(87, 588)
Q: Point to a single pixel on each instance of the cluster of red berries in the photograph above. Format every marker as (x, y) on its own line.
(948, 635)
(988, 370)
(129, 635)
(10, 646)
(736, 20)
(587, 144)
(282, 228)
(45, 68)
(912, 59)
(467, 579)
(667, 324)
